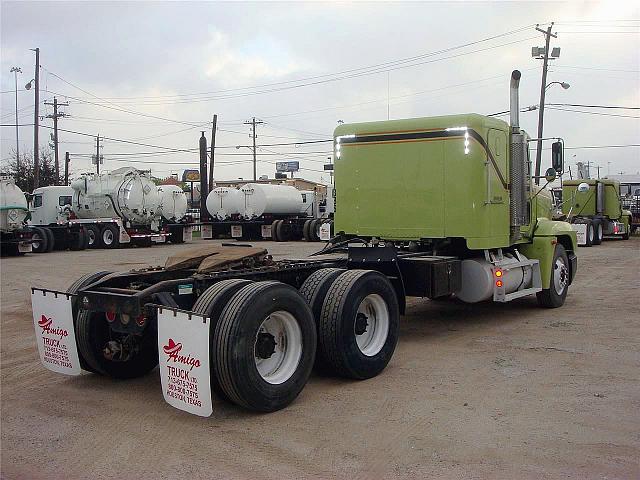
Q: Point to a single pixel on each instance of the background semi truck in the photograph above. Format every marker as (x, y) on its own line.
(440, 207)
(597, 211)
(15, 238)
(104, 211)
(265, 211)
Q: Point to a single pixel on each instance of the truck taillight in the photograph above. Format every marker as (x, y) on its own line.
(111, 316)
(141, 320)
(498, 273)
(498, 283)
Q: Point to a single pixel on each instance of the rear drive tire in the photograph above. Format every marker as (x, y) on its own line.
(359, 324)
(305, 230)
(589, 234)
(93, 333)
(211, 304)
(265, 343)
(282, 231)
(93, 236)
(555, 296)
(274, 231)
(79, 241)
(51, 240)
(82, 282)
(110, 236)
(40, 240)
(314, 291)
(597, 232)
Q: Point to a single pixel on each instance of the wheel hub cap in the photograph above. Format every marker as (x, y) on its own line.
(265, 345)
(361, 323)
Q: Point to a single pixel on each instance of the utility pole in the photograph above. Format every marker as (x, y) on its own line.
(213, 147)
(98, 154)
(36, 123)
(543, 88)
(66, 168)
(203, 178)
(55, 116)
(16, 71)
(253, 124)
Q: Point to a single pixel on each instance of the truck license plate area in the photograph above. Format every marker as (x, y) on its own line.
(183, 346)
(55, 334)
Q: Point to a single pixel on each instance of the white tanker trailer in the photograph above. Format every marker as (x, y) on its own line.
(103, 211)
(264, 211)
(173, 203)
(15, 238)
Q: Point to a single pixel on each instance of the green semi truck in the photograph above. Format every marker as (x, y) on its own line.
(440, 208)
(594, 209)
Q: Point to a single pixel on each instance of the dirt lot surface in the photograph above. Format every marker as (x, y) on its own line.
(485, 391)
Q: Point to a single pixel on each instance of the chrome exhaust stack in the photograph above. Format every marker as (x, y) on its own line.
(514, 103)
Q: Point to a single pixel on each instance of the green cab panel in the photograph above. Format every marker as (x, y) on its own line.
(436, 177)
(585, 204)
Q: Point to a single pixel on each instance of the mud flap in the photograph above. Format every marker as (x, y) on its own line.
(55, 334)
(581, 233)
(183, 347)
(325, 232)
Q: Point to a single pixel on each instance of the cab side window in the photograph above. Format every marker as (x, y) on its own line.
(37, 201)
(64, 200)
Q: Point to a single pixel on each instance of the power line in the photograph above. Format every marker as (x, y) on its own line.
(592, 106)
(593, 113)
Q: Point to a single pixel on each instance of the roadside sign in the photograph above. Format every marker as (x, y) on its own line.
(183, 347)
(191, 176)
(55, 335)
(287, 166)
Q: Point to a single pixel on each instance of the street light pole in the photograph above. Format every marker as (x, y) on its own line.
(543, 89)
(15, 71)
(36, 121)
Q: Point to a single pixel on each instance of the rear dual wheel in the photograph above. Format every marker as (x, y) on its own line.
(41, 240)
(359, 324)
(264, 345)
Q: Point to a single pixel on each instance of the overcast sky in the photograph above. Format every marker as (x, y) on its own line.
(155, 73)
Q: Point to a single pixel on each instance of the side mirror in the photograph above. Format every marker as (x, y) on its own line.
(583, 187)
(557, 157)
(550, 175)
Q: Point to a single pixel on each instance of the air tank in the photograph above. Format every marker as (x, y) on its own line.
(223, 202)
(126, 193)
(261, 198)
(478, 278)
(13, 205)
(173, 202)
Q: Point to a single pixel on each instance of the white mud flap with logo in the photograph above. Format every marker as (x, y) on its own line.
(266, 231)
(325, 232)
(206, 231)
(581, 233)
(55, 335)
(183, 348)
(236, 231)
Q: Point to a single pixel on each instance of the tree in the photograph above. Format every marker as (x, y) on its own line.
(22, 170)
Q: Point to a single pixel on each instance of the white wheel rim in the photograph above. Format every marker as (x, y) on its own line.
(373, 309)
(280, 364)
(36, 240)
(599, 232)
(107, 237)
(560, 276)
(92, 236)
(591, 234)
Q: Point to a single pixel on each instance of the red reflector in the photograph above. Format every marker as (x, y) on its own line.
(111, 316)
(141, 320)
(498, 283)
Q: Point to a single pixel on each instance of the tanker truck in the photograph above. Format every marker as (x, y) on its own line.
(594, 209)
(262, 211)
(172, 209)
(15, 238)
(107, 210)
(437, 207)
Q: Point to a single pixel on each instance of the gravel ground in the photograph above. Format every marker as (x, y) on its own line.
(483, 391)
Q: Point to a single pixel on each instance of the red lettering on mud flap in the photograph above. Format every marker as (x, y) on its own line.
(183, 346)
(53, 323)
